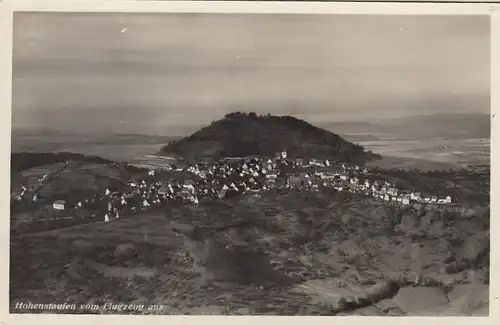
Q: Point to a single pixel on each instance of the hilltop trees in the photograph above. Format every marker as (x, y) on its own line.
(243, 134)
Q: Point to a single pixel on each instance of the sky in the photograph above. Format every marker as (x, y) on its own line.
(158, 73)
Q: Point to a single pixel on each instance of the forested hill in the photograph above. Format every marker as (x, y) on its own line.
(245, 134)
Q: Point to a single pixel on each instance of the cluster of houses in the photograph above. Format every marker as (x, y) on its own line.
(358, 180)
(387, 192)
(234, 176)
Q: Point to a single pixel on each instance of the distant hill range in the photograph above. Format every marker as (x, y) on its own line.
(448, 125)
(246, 134)
(439, 125)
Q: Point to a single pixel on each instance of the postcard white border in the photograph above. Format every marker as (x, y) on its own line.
(6, 13)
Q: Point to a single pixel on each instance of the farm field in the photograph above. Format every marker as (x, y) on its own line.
(431, 153)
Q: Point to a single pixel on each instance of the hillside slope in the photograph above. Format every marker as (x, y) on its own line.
(344, 252)
(241, 134)
(65, 175)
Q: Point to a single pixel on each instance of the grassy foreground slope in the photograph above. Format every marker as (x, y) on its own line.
(351, 255)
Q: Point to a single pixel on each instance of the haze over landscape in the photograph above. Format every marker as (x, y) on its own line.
(171, 74)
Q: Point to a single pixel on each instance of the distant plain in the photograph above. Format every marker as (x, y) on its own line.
(462, 139)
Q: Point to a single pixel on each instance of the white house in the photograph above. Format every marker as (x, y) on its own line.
(151, 173)
(447, 200)
(416, 196)
(223, 192)
(434, 199)
(393, 191)
(387, 197)
(188, 185)
(284, 154)
(59, 205)
(271, 176)
(406, 200)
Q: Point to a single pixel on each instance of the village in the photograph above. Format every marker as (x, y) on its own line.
(229, 177)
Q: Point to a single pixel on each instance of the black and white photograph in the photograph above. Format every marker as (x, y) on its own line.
(180, 163)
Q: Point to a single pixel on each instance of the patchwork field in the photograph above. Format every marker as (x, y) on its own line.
(431, 153)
